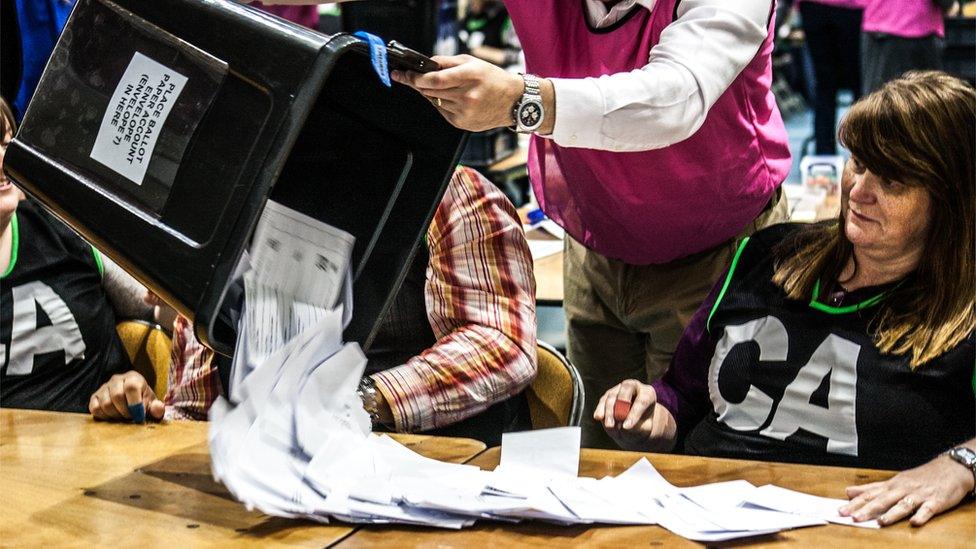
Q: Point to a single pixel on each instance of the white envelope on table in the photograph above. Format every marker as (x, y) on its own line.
(541, 454)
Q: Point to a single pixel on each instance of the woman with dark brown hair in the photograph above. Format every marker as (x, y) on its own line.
(849, 342)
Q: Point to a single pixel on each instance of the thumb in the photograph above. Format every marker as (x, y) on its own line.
(448, 61)
(156, 409)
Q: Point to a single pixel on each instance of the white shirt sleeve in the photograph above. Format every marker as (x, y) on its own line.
(697, 58)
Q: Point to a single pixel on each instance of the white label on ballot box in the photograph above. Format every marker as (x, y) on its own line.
(135, 116)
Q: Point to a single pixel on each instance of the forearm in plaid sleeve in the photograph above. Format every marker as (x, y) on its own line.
(480, 298)
(193, 384)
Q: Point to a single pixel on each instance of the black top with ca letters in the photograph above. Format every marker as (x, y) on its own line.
(778, 379)
(58, 342)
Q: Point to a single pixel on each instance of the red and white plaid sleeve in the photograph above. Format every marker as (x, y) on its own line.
(480, 298)
(193, 384)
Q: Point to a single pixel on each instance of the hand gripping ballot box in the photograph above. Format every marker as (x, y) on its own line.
(160, 128)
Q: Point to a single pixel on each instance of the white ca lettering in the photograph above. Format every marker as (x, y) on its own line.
(27, 340)
(773, 342)
(837, 358)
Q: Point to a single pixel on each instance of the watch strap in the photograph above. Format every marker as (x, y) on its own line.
(967, 458)
(532, 93)
(367, 393)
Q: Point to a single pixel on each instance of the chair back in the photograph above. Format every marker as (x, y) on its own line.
(149, 349)
(556, 396)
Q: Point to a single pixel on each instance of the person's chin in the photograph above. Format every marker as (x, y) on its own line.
(9, 196)
(7, 188)
(858, 235)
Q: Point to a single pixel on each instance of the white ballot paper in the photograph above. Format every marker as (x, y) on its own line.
(294, 440)
(300, 256)
(299, 268)
(545, 238)
(790, 501)
(545, 453)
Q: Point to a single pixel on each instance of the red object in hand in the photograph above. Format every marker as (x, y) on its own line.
(620, 410)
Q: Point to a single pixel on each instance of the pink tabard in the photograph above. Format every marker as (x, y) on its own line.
(659, 205)
(904, 18)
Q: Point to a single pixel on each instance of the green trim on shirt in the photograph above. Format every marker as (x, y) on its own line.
(14, 245)
(98, 261)
(725, 285)
(842, 310)
(476, 24)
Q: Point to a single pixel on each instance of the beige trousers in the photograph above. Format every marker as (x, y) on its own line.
(624, 321)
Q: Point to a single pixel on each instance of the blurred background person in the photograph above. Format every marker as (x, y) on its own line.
(832, 29)
(28, 32)
(902, 35)
(486, 32)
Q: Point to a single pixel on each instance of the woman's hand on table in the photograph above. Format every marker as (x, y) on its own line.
(123, 397)
(919, 493)
(630, 415)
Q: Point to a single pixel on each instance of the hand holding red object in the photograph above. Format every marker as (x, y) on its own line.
(620, 410)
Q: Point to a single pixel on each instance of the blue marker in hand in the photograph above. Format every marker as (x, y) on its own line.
(134, 393)
(137, 412)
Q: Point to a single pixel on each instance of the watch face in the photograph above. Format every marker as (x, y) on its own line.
(964, 455)
(530, 114)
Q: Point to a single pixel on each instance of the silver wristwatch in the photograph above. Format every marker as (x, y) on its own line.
(528, 112)
(966, 457)
(367, 393)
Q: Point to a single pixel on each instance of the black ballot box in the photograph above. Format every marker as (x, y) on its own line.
(160, 128)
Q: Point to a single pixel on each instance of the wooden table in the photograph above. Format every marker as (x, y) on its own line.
(954, 529)
(68, 480)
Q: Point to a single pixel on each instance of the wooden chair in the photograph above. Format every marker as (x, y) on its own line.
(556, 396)
(149, 348)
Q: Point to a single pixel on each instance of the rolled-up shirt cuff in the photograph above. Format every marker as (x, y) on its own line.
(579, 113)
(405, 390)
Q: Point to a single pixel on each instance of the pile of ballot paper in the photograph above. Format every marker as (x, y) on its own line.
(293, 439)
